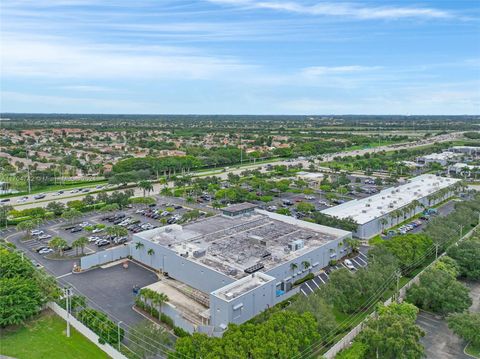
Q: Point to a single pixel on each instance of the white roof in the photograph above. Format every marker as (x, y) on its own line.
(390, 199)
(440, 156)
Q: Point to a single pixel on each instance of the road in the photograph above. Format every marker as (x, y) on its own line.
(223, 173)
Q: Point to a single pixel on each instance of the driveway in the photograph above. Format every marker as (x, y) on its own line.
(110, 289)
(439, 340)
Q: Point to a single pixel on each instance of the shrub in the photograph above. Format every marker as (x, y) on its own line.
(179, 332)
(304, 279)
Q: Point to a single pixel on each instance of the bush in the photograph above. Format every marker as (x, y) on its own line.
(167, 320)
(179, 332)
(304, 279)
(101, 325)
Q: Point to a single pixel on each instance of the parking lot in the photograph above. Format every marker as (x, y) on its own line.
(360, 260)
(439, 341)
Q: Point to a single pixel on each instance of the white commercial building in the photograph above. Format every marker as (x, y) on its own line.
(442, 158)
(377, 212)
(235, 265)
(472, 151)
(464, 169)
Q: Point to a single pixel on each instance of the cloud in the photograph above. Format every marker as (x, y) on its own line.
(341, 9)
(54, 57)
(336, 70)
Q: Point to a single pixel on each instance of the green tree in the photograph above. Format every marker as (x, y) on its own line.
(393, 334)
(439, 292)
(20, 299)
(467, 256)
(318, 307)
(148, 340)
(146, 186)
(58, 244)
(117, 231)
(466, 325)
(305, 207)
(27, 226)
(71, 215)
(81, 242)
(56, 207)
(409, 249)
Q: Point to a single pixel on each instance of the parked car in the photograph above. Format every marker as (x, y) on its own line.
(348, 263)
(39, 196)
(38, 249)
(44, 236)
(45, 251)
(98, 230)
(76, 229)
(103, 243)
(36, 232)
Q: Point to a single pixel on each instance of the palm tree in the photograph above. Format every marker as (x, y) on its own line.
(117, 231)
(293, 266)
(383, 222)
(146, 186)
(58, 244)
(80, 243)
(354, 244)
(139, 245)
(26, 226)
(306, 265)
(151, 252)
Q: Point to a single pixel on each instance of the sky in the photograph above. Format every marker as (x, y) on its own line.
(304, 57)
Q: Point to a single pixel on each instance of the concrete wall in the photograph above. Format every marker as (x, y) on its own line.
(85, 331)
(241, 308)
(170, 310)
(192, 273)
(109, 255)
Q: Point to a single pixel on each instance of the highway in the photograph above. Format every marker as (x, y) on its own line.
(223, 173)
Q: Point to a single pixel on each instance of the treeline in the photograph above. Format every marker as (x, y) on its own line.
(23, 289)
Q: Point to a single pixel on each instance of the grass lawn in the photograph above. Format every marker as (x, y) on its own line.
(473, 350)
(44, 338)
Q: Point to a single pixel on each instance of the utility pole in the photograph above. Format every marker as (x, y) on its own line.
(28, 172)
(398, 275)
(118, 331)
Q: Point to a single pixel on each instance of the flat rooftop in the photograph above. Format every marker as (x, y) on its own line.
(239, 207)
(242, 286)
(232, 245)
(390, 199)
(440, 156)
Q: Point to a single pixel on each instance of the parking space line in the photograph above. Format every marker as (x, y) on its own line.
(305, 294)
(316, 285)
(362, 255)
(361, 260)
(321, 279)
(354, 261)
(64, 275)
(306, 283)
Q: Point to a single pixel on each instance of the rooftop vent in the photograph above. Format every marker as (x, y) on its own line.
(254, 268)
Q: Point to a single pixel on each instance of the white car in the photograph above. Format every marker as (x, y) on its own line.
(21, 200)
(45, 251)
(93, 238)
(84, 224)
(98, 230)
(36, 232)
(348, 263)
(44, 236)
(309, 198)
(74, 191)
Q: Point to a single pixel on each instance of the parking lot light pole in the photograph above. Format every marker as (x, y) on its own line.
(118, 331)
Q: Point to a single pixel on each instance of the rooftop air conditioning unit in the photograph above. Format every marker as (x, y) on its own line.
(229, 295)
(364, 211)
